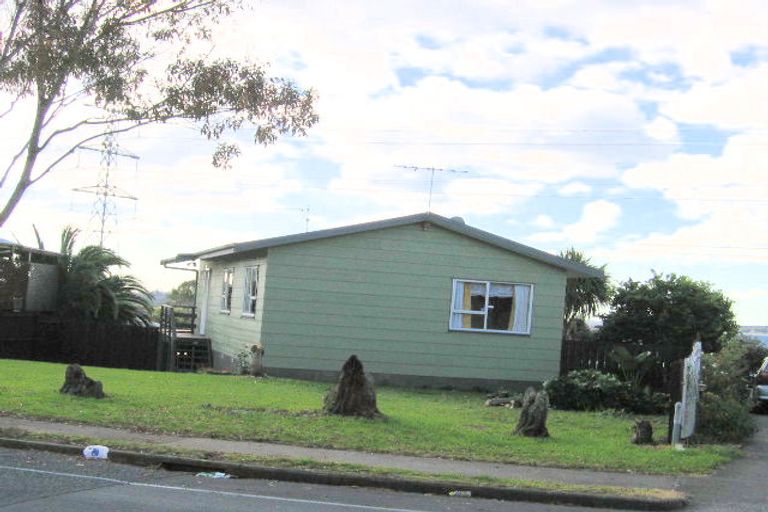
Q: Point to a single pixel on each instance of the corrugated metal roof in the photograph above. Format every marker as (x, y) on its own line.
(457, 226)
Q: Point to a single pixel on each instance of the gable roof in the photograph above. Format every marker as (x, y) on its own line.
(457, 226)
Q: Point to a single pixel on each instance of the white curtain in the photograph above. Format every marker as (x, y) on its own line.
(459, 295)
(462, 293)
(502, 290)
(522, 304)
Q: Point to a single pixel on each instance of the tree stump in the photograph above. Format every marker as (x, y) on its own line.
(533, 415)
(76, 382)
(642, 432)
(257, 356)
(354, 394)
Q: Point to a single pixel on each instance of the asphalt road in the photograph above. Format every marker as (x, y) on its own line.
(42, 481)
(32, 481)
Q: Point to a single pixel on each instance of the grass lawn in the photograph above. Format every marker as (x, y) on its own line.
(438, 423)
(308, 464)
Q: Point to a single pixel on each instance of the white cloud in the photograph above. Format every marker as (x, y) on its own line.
(484, 196)
(728, 104)
(574, 188)
(597, 218)
(662, 129)
(543, 221)
(702, 185)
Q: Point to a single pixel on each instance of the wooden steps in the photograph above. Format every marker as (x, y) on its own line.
(192, 352)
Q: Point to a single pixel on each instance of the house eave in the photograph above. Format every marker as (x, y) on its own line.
(8, 248)
(572, 269)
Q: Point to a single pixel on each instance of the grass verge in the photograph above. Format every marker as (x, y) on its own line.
(419, 422)
(343, 468)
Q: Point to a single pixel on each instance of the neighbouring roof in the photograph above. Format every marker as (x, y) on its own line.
(7, 248)
(457, 226)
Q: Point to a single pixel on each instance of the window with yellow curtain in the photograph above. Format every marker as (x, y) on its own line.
(491, 306)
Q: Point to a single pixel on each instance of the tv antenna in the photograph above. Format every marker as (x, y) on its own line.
(432, 171)
(106, 193)
(305, 211)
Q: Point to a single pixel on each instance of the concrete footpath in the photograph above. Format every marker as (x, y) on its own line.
(424, 464)
(739, 486)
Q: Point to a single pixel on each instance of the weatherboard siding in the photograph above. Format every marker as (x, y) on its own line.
(385, 295)
(232, 332)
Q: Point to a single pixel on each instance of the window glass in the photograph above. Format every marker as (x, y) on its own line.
(501, 304)
(250, 290)
(501, 307)
(226, 289)
(470, 296)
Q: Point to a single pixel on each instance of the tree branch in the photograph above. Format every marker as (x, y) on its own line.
(80, 144)
(179, 8)
(61, 131)
(10, 107)
(13, 162)
(60, 104)
(10, 49)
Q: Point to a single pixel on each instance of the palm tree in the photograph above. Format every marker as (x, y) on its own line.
(89, 289)
(583, 295)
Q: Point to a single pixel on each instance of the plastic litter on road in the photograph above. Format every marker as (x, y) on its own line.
(215, 474)
(460, 494)
(95, 451)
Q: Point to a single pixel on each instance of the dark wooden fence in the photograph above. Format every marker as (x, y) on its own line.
(40, 337)
(591, 355)
(585, 355)
(28, 336)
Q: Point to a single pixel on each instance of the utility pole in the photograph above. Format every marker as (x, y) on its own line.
(104, 191)
(432, 171)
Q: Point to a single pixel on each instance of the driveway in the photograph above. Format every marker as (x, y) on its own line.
(741, 486)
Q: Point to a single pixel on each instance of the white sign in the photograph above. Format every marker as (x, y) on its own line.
(691, 381)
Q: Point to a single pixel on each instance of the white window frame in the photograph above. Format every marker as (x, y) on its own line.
(227, 285)
(251, 277)
(485, 310)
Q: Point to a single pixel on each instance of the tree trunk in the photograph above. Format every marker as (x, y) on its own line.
(354, 394)
(33, 150)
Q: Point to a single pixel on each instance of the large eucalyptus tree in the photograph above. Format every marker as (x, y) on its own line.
(75, 70)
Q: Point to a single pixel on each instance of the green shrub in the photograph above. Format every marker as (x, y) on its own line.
(591, 390)
(723, 420)
(727, 373)
(723, 414)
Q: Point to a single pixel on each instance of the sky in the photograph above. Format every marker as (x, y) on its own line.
(635, 132)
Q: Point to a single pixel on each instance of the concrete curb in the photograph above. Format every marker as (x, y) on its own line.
(345, 479)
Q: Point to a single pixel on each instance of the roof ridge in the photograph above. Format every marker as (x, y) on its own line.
(574, 268)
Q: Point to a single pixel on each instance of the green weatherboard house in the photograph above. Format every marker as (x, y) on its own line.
(421, 300)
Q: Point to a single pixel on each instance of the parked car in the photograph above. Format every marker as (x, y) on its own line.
(760, 387)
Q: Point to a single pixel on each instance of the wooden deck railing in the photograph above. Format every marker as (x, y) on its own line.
(185, 317)
(182, 349)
